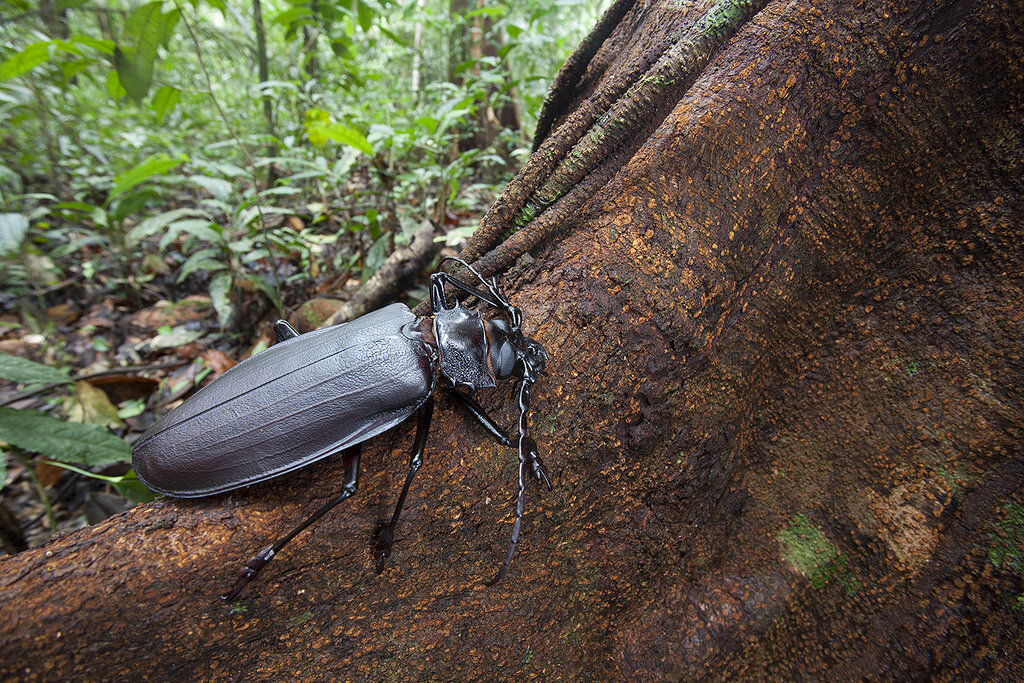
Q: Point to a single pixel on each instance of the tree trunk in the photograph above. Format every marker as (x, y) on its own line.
(777, 263)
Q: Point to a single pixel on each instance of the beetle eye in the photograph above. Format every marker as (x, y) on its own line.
(503, 354)
(504, 360)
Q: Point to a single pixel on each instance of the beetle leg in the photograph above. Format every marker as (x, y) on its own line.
(499, 434)
(492, 296)
(263, 557)
(284, 330)
(386, 536)
(481, 416)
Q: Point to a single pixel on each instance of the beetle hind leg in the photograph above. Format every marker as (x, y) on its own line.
(386, 535)
(263, 557)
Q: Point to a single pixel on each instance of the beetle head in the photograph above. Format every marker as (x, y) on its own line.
(511, 353)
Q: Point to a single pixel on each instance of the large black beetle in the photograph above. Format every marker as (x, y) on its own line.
(315, 394)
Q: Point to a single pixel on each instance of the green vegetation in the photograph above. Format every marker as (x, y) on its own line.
(253, 154)
(806, 548)
(171, 137)
(1007, 549)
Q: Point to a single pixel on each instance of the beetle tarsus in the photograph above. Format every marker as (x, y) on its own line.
(263, 557)
(249, 571)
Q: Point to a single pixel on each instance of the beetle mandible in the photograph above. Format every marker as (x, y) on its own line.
(327, 391)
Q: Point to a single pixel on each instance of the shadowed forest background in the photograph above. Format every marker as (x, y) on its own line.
(773, 248)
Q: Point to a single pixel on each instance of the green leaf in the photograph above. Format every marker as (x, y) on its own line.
(128, 485)
(29, 372)
(150, 27)
(29, 58)
(220, 189)
(149, 167)
(319, 129)
(365, 14)
(201, 228)
(133, 490)
(164, 100)
(220, 295)
(375, 256)
(13, 227)
(134, 71)
(155, 224)
(114, 88)
(84, 444)
(104, 46)
(348, 136)
(201, 260)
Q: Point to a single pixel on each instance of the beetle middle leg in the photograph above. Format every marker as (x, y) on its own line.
(263, 557)
(386, 536)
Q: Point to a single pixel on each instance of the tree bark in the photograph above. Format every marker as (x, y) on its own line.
(777, 263)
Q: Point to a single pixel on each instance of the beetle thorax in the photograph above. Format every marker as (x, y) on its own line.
(463, 347)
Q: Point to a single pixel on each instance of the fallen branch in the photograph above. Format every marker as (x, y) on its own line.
(392, 278)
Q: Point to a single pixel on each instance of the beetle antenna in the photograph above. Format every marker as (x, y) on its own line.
(532, 366)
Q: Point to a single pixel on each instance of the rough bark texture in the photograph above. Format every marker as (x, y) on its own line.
(783, 413)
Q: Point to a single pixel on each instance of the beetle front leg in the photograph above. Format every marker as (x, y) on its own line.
(263, 557)
(499, 434)
(386, 536)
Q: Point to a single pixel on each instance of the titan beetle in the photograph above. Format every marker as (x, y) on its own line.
(324, 392)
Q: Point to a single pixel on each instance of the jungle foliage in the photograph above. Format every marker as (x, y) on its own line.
(253, 154)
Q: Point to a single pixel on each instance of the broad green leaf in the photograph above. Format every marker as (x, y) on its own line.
(29, 372)
(155, 224)
(84, 444)
(91, 406)
(104, 46)
(294, 16)
(221, 189)
(202, 228)
(114, 88)
(13, 227)
(165, 99)
(133, 490)
(375, 256)
(220, 295)
(134, 71)
(365, 14)
(348, 136)
(150, 27)
(149, 167)
(20, 63)
(201, 260)
(320, 129)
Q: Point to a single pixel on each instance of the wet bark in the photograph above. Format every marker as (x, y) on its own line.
(782, 295)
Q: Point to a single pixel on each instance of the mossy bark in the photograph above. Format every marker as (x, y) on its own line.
(783, 413)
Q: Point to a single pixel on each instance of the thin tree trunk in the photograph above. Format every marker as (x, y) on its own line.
(264, 71)
(417, 39)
